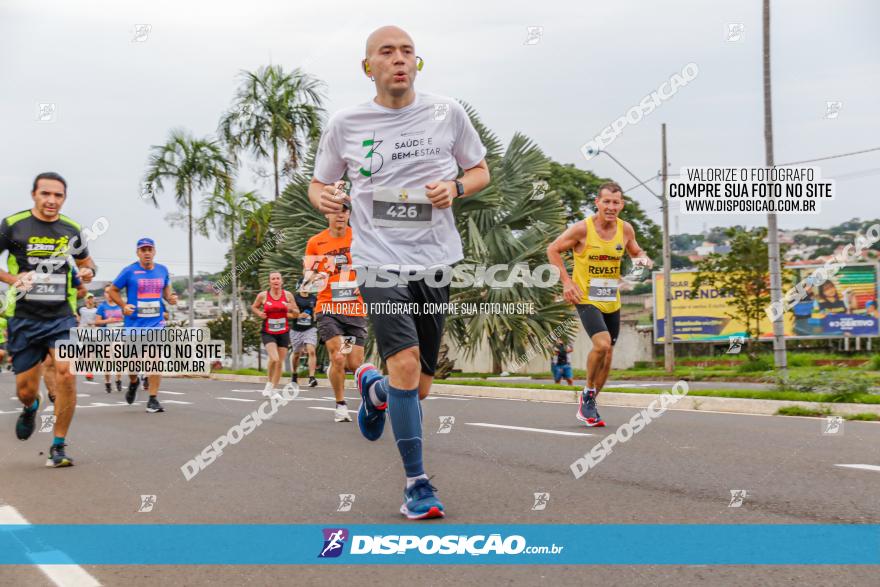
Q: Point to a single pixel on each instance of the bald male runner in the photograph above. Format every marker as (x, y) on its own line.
(401, 151)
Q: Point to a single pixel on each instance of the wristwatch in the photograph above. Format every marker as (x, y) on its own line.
(459, 189)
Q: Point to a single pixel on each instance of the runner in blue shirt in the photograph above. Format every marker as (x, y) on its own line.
(147, 288)
(110, 316)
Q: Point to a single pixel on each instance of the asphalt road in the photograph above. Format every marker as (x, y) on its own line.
(487, 467)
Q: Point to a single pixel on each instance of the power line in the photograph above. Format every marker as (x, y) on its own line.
(634, 176)
(643, 183)
(838, 156)
(831, 157)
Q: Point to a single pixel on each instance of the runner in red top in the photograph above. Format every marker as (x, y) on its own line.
(275, 306)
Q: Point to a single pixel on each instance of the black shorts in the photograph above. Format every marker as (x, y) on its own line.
(30, 340)
(398, 331)
(595, 321)
(281, 339)
(332, 325)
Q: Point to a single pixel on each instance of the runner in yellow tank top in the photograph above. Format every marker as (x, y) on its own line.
(597, 268)
(597, 245)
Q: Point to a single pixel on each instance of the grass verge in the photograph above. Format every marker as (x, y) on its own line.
(799, 396)
(821, 413)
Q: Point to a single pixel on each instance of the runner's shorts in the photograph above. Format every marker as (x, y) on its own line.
(330, 325)
(282, 339)
(596, 321)
(398, 331)
(561, 372)
(30, 340)
(299, 339)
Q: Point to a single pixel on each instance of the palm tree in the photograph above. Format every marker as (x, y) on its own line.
(502, 224)
(229, 213)
(274, 111)
(186, 164)
(505, 224)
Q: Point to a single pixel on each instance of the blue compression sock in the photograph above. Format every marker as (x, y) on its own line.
(58, 441)
(378, 392)
(406, 422)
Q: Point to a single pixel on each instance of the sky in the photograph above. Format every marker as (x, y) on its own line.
(117, 89)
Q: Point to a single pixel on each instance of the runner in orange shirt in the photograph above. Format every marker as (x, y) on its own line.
(340, 310)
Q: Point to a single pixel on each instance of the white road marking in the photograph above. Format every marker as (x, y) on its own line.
(237, 399)
(87, 382)
(330, 409)
(83, 395)
(865, 467)
(51, 409)
(524, 429)
(458, 399)
(67, 575)
(172, 392)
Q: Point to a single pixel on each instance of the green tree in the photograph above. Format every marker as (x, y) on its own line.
(577, 190)
(679, 262)
(185, 165)
(742, 274)
(221, 329)
(274, 113)
(505, 225)
(250, 244)
(684, 242)
(575, 187)
(227, 214)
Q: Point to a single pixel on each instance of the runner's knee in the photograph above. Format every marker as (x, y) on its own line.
(602, 347)
(406, 361)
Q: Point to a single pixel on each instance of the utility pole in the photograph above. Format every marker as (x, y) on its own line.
(779, 356)
(668, 347)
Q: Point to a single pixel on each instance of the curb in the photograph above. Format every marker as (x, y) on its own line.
(261, 379)
(761, 407)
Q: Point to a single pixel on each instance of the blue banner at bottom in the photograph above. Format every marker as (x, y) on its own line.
(429, 543)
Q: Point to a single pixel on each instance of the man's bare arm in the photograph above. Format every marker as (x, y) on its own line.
(86, 268)
(632, 247)
(115, 295)
(566, 241)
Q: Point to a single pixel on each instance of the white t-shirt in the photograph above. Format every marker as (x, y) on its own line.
(390, 155)
(87, 316)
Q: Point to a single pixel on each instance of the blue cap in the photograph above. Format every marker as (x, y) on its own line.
(146, 242)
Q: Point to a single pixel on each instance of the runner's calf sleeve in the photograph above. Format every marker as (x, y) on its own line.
(406, 422)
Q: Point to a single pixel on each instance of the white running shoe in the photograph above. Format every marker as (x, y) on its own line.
(268, 391)
(341, 414)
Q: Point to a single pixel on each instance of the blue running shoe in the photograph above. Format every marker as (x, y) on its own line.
(420, 503)
(27, 421)
(587, 411)
(58, 457)
(371, 419)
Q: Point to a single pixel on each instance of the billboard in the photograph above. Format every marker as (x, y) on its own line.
(845, 305)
